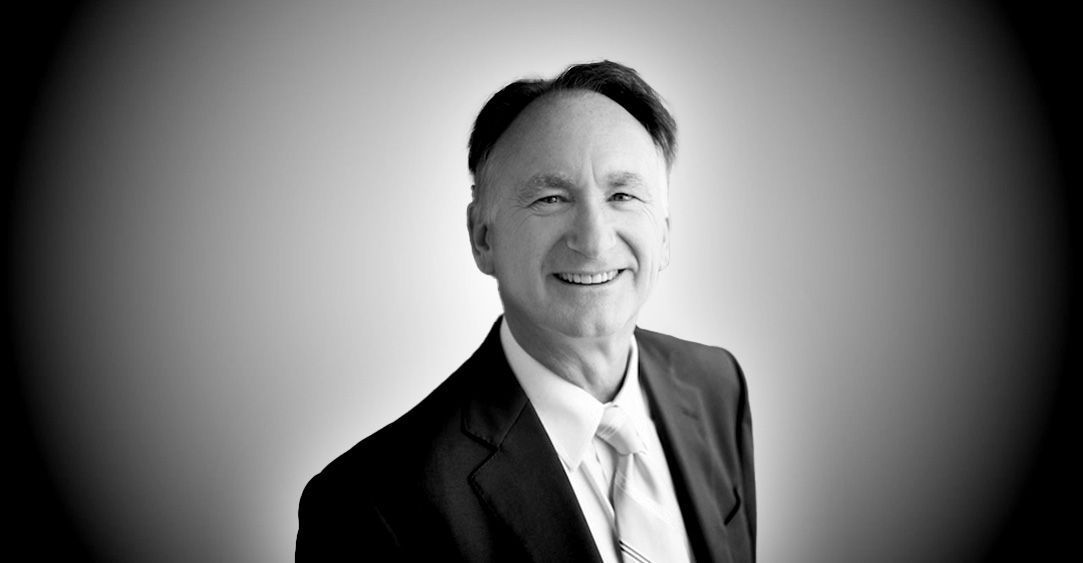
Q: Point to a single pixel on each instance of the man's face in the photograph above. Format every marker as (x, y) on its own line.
(576, 228)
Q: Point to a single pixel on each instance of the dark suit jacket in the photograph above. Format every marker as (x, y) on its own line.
(469, 474)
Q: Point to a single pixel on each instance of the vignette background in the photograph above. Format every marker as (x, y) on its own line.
(238, 247)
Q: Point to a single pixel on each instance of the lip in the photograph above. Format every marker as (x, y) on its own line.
(589, 279)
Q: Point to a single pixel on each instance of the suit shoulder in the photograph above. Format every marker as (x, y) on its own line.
(425, 448)
(708, 365)
(432, 421)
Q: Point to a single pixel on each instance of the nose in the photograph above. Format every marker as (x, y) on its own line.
(591, 232)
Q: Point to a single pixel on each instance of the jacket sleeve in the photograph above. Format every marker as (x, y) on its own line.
(337, 525)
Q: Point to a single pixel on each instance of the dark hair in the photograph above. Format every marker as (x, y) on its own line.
(613, 80)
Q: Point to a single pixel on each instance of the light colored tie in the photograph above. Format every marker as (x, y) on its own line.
(643, 532)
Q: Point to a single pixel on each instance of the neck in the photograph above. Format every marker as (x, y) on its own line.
(595, 364)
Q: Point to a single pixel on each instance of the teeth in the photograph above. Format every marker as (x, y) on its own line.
(589, 279)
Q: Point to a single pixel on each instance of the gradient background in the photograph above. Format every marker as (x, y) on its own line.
(238, 246)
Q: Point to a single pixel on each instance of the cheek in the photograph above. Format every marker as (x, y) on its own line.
(525, 245)
(647, 236)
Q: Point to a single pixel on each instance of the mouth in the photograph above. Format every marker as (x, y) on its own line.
(600, 278)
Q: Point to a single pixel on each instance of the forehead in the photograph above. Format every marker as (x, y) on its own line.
(573, 133)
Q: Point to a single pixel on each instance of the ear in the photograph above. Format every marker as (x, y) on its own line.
(665, 244)
(478, 229)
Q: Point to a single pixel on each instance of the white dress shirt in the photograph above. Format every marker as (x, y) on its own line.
(570, 416)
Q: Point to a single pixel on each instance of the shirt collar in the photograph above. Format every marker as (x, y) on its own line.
(569, 414)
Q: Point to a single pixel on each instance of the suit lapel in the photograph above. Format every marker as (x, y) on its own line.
(678, 411)
(523, 482)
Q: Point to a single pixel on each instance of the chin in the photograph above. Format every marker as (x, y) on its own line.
(590, 327)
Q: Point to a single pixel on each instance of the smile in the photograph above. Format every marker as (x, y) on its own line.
(588, 279)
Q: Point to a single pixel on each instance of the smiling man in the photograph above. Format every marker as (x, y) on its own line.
(570, 434)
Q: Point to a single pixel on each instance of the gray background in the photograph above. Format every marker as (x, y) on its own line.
(244, 249)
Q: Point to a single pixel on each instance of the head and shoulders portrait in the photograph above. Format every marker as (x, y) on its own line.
(571, 434)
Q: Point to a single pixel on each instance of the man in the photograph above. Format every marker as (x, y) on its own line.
(571, 434)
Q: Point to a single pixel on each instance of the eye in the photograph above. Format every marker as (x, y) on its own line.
(549, 200)
(621, 196)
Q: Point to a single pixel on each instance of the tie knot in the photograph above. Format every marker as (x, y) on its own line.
(618, 431)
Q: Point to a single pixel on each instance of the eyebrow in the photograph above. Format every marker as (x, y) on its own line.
(542, 181)
(559, 181)
(539, 182)
(624, 179)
